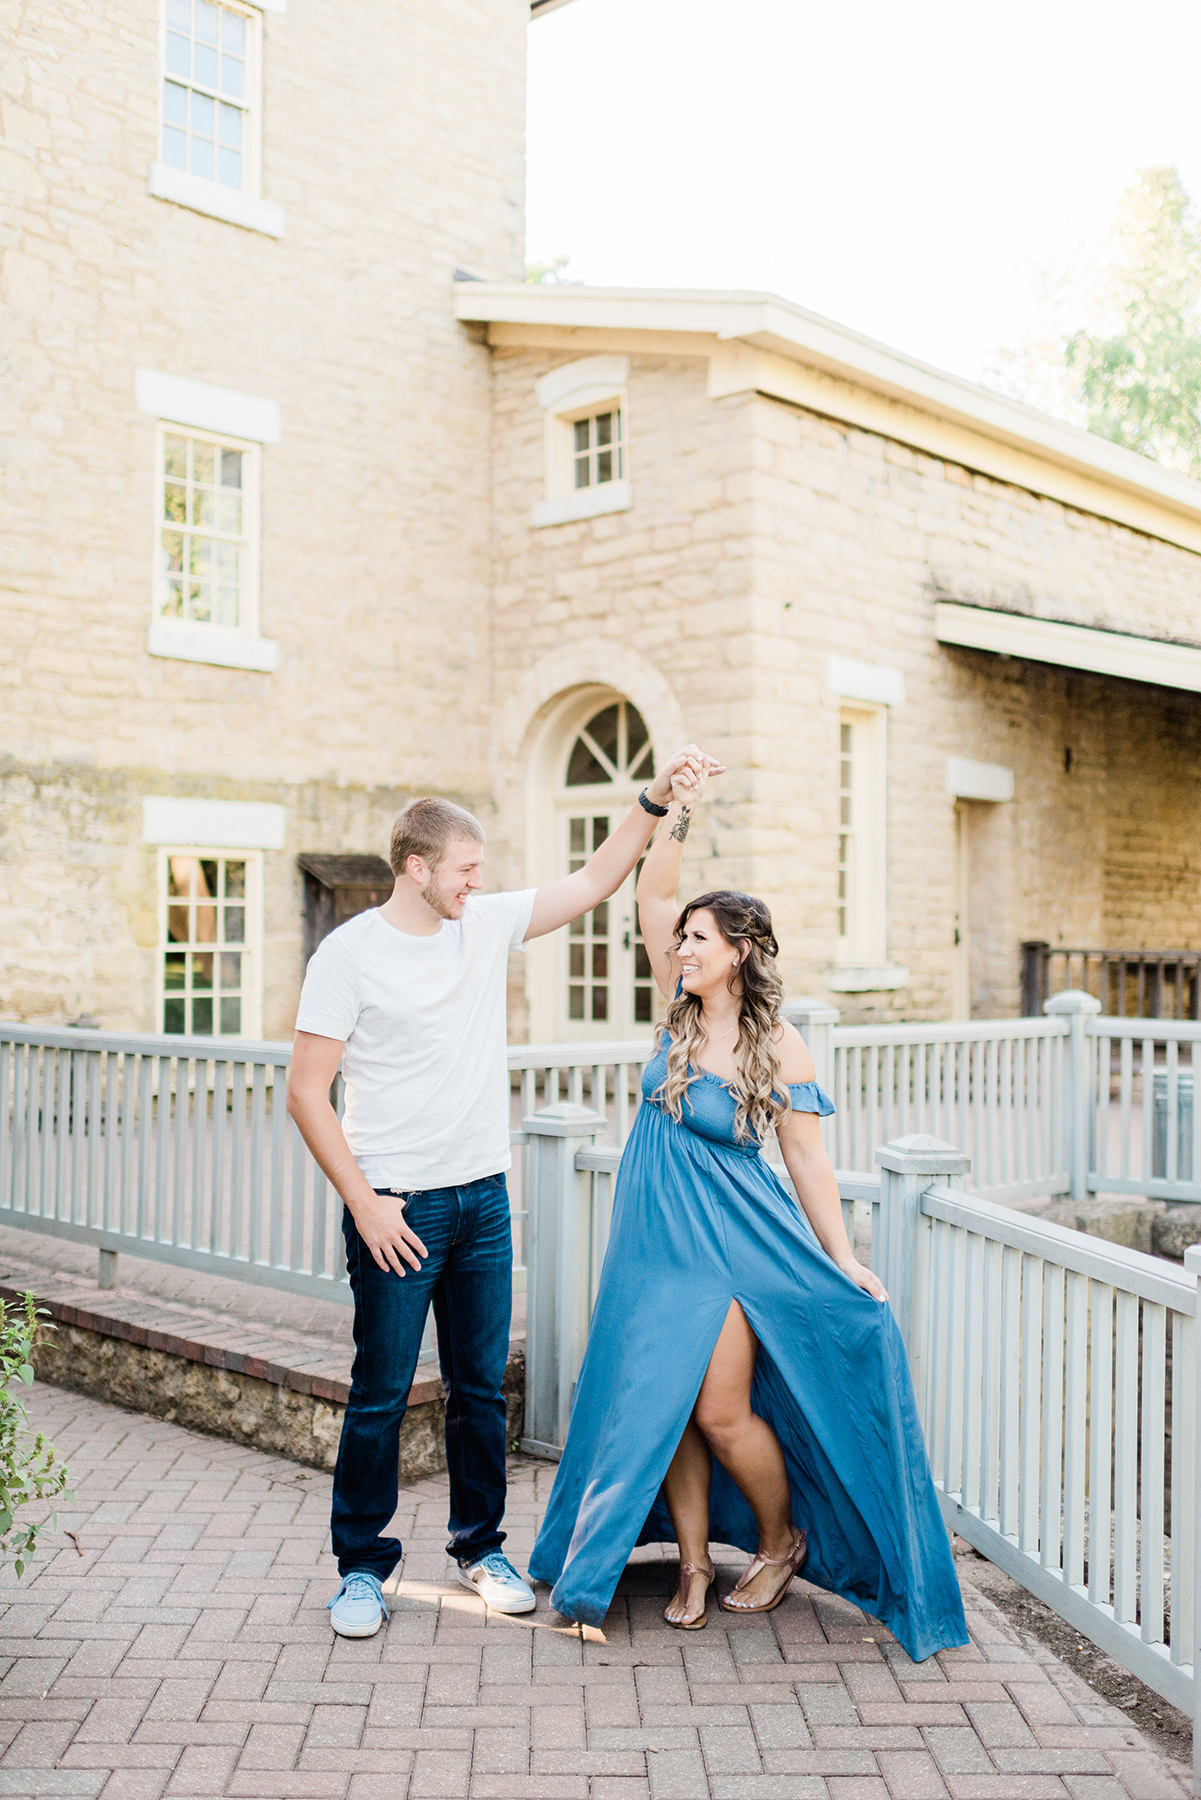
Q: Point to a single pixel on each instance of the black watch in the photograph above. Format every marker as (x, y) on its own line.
(659, 812)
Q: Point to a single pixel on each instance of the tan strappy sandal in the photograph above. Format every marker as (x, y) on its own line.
(710, 1574)
(794, 1562)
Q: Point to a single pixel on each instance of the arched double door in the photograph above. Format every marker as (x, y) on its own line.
(603, 983)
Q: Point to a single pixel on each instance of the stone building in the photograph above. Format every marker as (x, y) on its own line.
(312, 504)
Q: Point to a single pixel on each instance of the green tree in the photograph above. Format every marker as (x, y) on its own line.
(550, 274)
(28, 1471)
(1140, 384)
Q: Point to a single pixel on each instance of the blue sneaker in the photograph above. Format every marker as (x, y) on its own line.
(497, 1581)
(357, 1609)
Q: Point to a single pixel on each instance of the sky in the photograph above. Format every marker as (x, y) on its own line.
(905, 170)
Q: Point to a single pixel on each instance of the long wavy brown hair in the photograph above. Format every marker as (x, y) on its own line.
(745, 924)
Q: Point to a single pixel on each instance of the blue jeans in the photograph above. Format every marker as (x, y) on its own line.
(468, 1276)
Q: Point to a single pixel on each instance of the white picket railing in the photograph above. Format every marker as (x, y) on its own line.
(1145, 1076)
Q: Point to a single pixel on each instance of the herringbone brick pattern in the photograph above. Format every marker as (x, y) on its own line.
(186, 1653)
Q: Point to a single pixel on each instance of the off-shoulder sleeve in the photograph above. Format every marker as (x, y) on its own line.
(808, 1096)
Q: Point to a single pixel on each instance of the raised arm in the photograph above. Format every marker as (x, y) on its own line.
(658, 886)
(606, 869)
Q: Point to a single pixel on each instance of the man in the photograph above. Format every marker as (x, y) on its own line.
(413, 994)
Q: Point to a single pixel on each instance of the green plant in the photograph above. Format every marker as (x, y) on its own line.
(28, 1471)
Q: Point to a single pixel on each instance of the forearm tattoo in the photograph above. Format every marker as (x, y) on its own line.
(679, 830)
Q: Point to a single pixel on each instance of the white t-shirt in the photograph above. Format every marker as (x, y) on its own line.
(423, 1020)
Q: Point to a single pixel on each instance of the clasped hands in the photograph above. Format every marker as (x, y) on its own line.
(684, 778)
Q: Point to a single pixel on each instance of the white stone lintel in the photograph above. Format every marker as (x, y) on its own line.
(211, 408)
(213, 824)
(873, 682)
(970, 780)
(575, 382)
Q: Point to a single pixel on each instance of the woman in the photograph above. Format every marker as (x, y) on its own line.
(745, 1381)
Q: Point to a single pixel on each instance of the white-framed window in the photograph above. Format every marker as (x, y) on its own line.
(210, 111)
(210, 65)
(862, 849)
(587, 440)
(207, 530)
(605, 984)
(210, 938)
(597, 447)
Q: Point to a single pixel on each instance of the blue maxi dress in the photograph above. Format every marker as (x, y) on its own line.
(699, 1220)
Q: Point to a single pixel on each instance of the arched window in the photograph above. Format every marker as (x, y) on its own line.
(605, 986)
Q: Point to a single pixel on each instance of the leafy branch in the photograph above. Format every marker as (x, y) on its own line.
(28, 1471)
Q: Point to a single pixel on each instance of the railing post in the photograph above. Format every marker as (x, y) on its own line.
(1192, 1262)
(1034, 977)
(558, 1278)
(815, 1021)
(907, 1166)
(106, 1272)
(1077, 1008)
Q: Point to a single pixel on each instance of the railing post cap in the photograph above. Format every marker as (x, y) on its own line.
(564, 1120)
(1192, 1259)
(811, 1009)
(1072, 1000)
(920, 1154)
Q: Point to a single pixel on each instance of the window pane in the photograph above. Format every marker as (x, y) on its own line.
(206, 21)
(175, 457)
(230, 168)
(227, 562)
(233, 77)
(231, 512)
(600, 1003)
(175, 103)
(604, 466)
(206, 924)
(235, 881)
(583, 766)
(200, 602)
(204, 461)
(577, 837)
(600, 962)
(173, 1016)
(204, 507)
(235, 925)
(636, 732)
(642, 963)
(200, 556)
(204, 115)
(575, 961)
(202, 1018)
(175, 502)
(175, 969)
(178, 55)
(603, 732)
(231, 969)
(642, 1006)
(231, 468)
(600, 831)
(206, 878)
(172, 552)
(231, 128)
(575, 1003)
(202, 974)
(583, 472)
(175, 148)
(202, 158)
(600, 919)
(233, 32)
(226, 607)
(179, 15)
(604, 428)
(231, 1017)
(581, 434)
(173, 597)
(179, 875)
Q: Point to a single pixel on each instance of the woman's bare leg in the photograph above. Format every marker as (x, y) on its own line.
(686, 1489)
(745, 1444)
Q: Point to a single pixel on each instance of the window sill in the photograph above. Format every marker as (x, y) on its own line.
(584, 503)
(218, 202)
(211, 644)
(865, 978)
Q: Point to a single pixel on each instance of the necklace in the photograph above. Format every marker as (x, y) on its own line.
(721, 1038)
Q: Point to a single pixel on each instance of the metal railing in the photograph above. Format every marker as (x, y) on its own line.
(1141, 984)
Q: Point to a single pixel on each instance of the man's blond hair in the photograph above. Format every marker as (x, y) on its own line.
(426, 827)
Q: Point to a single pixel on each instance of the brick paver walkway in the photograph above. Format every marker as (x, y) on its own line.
(186, 1653)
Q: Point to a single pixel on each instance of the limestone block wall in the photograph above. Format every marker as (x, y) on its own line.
(856, 539)
(394, 139)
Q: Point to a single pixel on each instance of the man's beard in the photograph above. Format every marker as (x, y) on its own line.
(440, 901)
